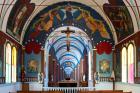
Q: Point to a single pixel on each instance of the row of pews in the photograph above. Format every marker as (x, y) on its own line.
(97, 91)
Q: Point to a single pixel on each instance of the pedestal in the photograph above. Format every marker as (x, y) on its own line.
(25, 86)
(84, 84)
(90, 83)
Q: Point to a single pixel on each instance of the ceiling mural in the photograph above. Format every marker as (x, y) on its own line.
(120, 18)
(18, 17)
(6, 6)
(69, 28)
(75, 25)
(68, 14)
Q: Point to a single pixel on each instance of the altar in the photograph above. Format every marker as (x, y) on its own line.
(67, 83)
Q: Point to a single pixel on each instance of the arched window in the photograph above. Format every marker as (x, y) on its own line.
(14, 61)
(131, 63)
(124, 65)
(8, 63)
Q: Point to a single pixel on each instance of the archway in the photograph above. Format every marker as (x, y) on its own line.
(68, 61)
(70, 14)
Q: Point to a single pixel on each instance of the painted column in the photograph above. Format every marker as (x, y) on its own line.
(46, 69)
(75, 73)
(42, 62)
(90, 80)
(113, 59)
(94, 64)
(22, 65)
(81, 69)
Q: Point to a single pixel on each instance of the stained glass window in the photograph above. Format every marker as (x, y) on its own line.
(124, 65)
(131, 63)
(14, 61)
(8, 63)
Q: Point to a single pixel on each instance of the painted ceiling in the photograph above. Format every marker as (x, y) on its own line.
(95, 23)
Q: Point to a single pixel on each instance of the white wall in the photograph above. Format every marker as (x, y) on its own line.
(104, 86)
(35, 86)
(6, 88)
(135, 88)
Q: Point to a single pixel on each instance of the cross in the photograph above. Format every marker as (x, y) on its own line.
(68, 32)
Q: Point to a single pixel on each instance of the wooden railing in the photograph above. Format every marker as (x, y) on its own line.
(69, 89)
(107, 79)
(30, 79)
(104, 79)
(2, 80)
(137, 80)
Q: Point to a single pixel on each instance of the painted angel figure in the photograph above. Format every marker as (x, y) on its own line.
(94, 24)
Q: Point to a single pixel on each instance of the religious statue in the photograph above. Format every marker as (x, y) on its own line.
(51, 77)
(40, 77)
(84, 77)
(96, 77)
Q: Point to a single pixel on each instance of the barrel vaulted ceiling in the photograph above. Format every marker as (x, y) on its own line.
(6, 7)
(40, 23)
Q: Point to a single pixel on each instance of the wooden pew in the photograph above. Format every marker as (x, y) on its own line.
(96, 91)
(55, 92)
(34, 91)
(40, 92)
(22, 91)
(102, 91)
(29, 92)
(110, 91)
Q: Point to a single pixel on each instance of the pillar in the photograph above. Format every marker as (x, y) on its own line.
(90, 80)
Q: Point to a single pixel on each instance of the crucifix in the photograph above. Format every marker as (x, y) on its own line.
(68, 32)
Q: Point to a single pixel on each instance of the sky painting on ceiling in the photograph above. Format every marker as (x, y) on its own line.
(68, 14)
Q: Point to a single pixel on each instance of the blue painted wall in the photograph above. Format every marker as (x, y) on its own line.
(27, 59)
(104, 57)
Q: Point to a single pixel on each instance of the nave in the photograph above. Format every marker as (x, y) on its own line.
(69, 45)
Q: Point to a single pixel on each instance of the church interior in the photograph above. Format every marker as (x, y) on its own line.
(69, 46)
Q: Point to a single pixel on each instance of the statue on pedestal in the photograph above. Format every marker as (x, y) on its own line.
(96, 77)
(84, 77)
(51, 77)
(40, 77)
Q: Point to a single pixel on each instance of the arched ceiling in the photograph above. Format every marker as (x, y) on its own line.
(79, 43)
(6, 6)
(68, 14)
(41, 22)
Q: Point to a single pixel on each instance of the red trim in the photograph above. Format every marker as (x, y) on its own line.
(7, 9)
(137, 7)
(132, 9)
(2, 7)
(9, 38)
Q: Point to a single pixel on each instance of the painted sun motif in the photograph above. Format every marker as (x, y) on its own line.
(104, 66)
